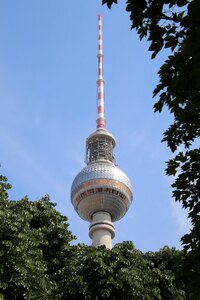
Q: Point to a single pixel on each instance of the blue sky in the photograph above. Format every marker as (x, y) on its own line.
(48, 73)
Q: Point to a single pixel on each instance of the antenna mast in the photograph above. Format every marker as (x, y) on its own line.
(100, 81)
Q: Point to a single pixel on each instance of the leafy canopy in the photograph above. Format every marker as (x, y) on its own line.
(38, 262)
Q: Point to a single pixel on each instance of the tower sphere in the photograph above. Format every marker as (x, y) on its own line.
(101, 186)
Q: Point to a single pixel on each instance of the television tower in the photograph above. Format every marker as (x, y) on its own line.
(101, 193)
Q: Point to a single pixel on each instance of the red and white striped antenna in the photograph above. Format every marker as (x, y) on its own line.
(100, 81)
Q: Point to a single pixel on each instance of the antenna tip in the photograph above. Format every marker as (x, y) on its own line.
(100, 17)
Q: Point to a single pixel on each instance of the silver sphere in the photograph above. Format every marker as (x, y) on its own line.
(101, 186)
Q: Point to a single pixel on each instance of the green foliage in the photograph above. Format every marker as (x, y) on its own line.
(109, 2)
(37, 261)
(34, 240)
(125, 273)
(175, 24)
(166, 270)
(187, 191)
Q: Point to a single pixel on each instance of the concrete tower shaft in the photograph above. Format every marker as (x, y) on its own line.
(101, 193)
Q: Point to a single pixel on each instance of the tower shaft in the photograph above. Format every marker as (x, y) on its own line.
(102, 230)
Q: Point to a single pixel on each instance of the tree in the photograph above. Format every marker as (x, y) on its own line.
(166, 268)
(125, 273)
(175, 24)
(38, 262)
(34, 240)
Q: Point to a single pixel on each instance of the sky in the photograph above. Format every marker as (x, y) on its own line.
(48, 99)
